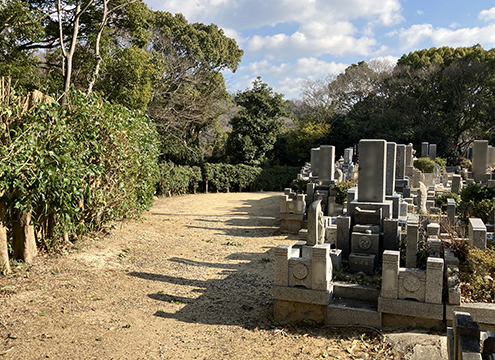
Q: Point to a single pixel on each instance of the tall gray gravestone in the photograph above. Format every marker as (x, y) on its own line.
(326, 167)
(424, 149)
(480, 159)
(315, 159)
(433, 151)
(372, 170)
(400, 164)
(391, 163)
(348, 155)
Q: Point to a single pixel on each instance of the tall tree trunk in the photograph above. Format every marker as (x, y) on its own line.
(68, 55)
(24, 239)
(4, 251)
(98, 59)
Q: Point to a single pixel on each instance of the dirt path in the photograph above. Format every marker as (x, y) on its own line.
(190, 280)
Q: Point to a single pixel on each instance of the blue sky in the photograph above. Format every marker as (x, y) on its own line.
(288, 41)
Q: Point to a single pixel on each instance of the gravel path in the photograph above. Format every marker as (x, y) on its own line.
(191, 279)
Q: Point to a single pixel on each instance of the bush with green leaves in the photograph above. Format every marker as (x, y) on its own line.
(441, 200)
(224, 177)
(341, 189)
(477, 201)
(76, 167)
(476, 274)
(276, 178)
(299, 185)
(426, 165)
(178, 180)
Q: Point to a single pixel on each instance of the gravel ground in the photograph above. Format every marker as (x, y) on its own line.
(191, 279)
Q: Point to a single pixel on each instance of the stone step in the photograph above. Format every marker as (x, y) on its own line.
(353, 312)
(344, 290)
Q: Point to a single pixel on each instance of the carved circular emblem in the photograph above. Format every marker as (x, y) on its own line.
(365, 242)
(300, 271)
(411, 283)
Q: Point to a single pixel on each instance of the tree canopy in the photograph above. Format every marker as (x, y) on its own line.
(443, 96)
(257, 124)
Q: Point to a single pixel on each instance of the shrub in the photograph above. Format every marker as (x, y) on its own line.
(341, 189)
(79, 166)
(477, 201)
(441, 200)
(477, 275)
(426, 165)
(275, 178)
(178, 180)
(299, 185)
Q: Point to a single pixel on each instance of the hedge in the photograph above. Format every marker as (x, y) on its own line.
(178, 180)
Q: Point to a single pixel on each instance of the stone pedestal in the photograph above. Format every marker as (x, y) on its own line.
(282, 255)
(344, 235)
(434, 280)
(456, 184)
(412, 244)
(477, 233)
(391, 234)
(390, 274)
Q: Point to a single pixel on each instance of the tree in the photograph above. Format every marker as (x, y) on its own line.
(188, 96)
(257, 124)
(306, 135)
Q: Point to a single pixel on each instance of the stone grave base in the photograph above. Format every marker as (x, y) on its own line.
(293, 312)
(291, 223)
(483, 313)
(392, 322)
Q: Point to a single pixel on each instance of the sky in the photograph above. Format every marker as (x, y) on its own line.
(288, 41)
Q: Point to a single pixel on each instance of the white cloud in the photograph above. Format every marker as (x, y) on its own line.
(314, 39)
(285, 77)
(231, 33)
(487, 15)
(290, 87)
(419, 12)
(244, 14)
(315, 68)
(411, 37)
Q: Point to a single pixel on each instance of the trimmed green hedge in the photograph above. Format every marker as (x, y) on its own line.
(178, 180)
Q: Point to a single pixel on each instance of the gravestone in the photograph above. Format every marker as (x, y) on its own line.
(372, 169)
(456, 184)
(326, 168)
(400, 166)
(477, 233)
(343, 235)
(451, 209)
(424, 149)
(390, 168)
(412, 242)
(315, 159)
(348, 156)
(433, 151)
(480, 160)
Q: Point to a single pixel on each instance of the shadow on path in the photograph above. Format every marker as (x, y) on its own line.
(242, 296)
